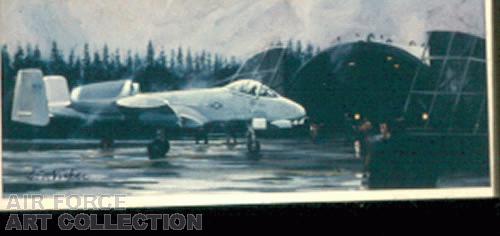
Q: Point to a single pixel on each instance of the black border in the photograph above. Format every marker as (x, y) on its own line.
(374, 217)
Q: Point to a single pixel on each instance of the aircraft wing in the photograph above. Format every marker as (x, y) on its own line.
(152, 110)
(190, 117)
(65, 112)
(149, 110)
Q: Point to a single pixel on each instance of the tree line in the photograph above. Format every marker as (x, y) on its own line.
(155, 71)
(105, 65)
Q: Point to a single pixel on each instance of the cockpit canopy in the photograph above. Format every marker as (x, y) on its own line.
(105, 90)
(253, 88)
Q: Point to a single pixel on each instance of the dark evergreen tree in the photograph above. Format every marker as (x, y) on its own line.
(217, 65)
(86, 64)
(298, 48)
(129, 63)
(6, 63)
(172, 60)
(71, 58)
(180, 59)
(137, 62)
(208, 62)
(224, 72)
(78, 72)
(56, 64)
(105, 56)
(162, 59)
(150, 54)
(233, 61)
(99, 71)
(203, 60)
(197, 63)
(69, 70)
(116, 65)
(28, 60)
(189, 61)
(318, 50)
(289, 45)
(224, 62)
(37, 58)
(309, 52)
(18, 62)
(8, 77)
(105, 67)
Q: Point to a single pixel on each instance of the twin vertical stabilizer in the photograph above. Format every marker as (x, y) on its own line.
(33, 94)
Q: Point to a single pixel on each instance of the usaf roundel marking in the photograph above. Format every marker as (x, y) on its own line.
(216, 105)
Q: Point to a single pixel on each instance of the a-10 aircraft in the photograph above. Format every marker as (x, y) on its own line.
(38, 99)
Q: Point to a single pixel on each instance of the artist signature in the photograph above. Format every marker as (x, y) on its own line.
(57, 175)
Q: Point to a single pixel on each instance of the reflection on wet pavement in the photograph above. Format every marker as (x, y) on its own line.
(283, 166)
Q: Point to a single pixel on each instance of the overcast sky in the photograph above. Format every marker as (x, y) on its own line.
(232, 27)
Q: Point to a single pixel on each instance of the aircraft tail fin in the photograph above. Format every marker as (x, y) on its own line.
(30, 105)
(57, 90)
(34, 94)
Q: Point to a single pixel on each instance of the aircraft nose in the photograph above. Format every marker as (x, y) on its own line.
(298, 110)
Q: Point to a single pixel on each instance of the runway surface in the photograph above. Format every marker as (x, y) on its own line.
(282, 166)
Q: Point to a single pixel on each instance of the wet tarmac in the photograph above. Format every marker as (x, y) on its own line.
(282, 166)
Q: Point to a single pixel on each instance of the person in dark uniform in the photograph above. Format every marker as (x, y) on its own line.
(382, 161)
(395, 161)
(364, 134)
(349, 129)
(314, 131)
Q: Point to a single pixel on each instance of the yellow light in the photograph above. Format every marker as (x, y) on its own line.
(352, 64)
(425, 116)
(357, 116)
(389, 58)
(396, 66)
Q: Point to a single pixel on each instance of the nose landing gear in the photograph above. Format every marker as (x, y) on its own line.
(106, 143)
(160, 146)
(253, 145)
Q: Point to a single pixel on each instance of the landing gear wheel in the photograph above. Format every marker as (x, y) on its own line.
(253, 146)
(158, 149)
(106, 143)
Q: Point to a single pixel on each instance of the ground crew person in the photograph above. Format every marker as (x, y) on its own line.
(397, 161)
